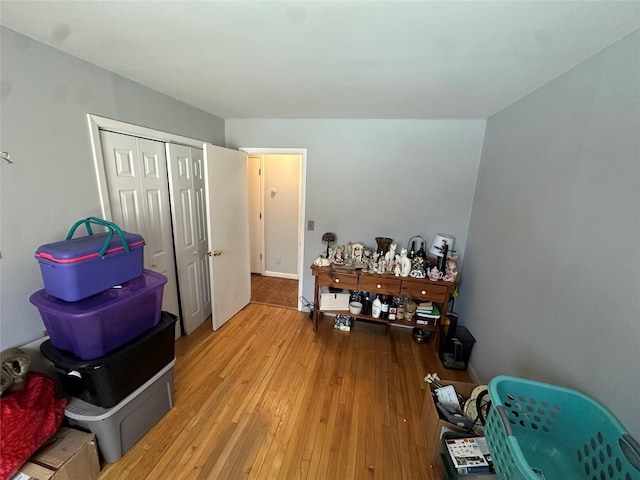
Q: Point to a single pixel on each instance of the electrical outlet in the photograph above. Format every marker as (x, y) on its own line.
(310, 224)
(278, 260)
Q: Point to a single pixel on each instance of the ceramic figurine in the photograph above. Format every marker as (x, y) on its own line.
(321, 261)
(417, 274)
(388, 266)
(338, 257)
(357, 251)
(434, 274)
(382, 265)
(366, 260)
(390, 255)
(396, 266)
(417, 263)
(405, 263)
(451, 269)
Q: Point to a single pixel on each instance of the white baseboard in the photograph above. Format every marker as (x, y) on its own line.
(291, 276)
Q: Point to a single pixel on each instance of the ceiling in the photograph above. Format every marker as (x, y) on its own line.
(332, 59)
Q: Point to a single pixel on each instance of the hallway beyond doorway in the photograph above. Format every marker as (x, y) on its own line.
(281, 292)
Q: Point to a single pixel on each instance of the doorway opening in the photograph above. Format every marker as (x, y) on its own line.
(277, 181)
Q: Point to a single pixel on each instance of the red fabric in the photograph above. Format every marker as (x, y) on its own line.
(27, 419)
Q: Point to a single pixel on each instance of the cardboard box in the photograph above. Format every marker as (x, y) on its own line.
(333, 301)
(68, 455)
(433, 426)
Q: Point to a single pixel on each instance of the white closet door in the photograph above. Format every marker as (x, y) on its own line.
(184, 204)
(197, 157)
(136, 174)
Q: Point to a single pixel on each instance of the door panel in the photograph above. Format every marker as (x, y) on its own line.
(228, 231)
(139, 197)
(185, 166)
(197, 156)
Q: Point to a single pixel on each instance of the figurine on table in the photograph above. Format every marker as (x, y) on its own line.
(338, 257)
(451, 269)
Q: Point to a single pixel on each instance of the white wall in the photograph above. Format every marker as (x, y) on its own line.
(551, 279)
(370, 178)
(46, 95)
(281, 212)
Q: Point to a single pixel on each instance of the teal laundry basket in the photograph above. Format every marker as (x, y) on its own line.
(538, 431)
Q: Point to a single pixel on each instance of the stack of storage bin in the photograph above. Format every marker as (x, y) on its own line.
(110, 342)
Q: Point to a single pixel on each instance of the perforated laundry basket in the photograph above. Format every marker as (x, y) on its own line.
(538, 431)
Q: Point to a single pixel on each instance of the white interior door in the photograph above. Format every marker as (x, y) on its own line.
(189, 233)
(227, 200)
(197, 157)
(136, 175)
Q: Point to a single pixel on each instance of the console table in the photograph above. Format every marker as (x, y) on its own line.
(418, 289)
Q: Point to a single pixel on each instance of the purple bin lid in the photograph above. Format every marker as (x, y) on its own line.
(100, 301)
(85, 248)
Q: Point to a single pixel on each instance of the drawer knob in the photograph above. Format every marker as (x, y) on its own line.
(424, 292)
(378, 286)
(337, 280)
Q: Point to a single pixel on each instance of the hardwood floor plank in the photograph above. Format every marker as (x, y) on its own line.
(265, 397)
(274, 291)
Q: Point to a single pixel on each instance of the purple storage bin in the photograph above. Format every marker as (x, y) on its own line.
(95, 326)
(72, 270)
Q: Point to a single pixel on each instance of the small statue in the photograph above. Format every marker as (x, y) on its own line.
(389, 264)
(417, 263)
(396, 266)
(451, 269)
(357, 251)
(330, 253)
(417, 267)
(389, 256)
(321, 261)
(405, 263)
(366, 260)
(338, 257)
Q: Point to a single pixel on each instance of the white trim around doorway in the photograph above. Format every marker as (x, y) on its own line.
(301, 210)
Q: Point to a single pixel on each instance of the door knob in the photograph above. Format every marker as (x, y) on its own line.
(217, 253)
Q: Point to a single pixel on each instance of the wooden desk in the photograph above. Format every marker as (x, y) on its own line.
(418, 289)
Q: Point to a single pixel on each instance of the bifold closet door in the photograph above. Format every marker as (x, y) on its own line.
(190, 233)
(136, 174)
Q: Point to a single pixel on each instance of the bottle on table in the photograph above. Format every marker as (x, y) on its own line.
(376, 307)
(384, 308)
(412, 252)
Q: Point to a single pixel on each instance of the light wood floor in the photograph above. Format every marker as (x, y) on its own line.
(276, 291)
(266, 397)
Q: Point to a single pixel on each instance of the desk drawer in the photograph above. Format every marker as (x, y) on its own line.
(348, 281)
(381, 285)
(424, 291)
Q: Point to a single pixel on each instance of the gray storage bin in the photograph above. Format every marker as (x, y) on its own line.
(118, 428)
